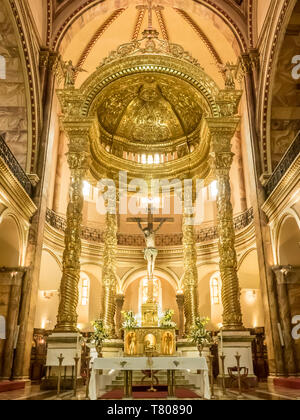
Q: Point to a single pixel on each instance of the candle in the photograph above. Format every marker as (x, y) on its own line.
(222, 348)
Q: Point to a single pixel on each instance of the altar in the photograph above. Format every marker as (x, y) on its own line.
(101, 367)
(142, 340)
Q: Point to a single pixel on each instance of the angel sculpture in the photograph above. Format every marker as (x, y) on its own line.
(227, 71)
(70, 71)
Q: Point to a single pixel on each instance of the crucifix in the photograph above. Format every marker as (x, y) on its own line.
(150, 252)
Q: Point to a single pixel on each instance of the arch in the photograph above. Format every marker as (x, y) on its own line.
(72, 14)
(57, 259)
(11, 246)
(244, 256)
(48, 295)
(21, 39)
(276, 231)
(288, 245)
(138, 273)
(215, 288)
(266, 86)
(251, 297)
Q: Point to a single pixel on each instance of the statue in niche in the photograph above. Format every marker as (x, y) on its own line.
(131, 344)
(168, 344)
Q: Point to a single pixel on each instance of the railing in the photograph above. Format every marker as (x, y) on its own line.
(283, 166)
(204, 235)
(14, 166)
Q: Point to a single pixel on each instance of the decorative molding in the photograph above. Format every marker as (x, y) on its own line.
(162, 22)
(268, 89)
(208, 3)
(49, 22)
(34, 120)
(208, 234)
(201, 35)
(139, 21)
(108, 22)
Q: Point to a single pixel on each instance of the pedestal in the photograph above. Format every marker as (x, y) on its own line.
(237, 342)
(150, 314)
(67, 344)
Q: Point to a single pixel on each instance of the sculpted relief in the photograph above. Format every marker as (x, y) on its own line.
(13, 114)
(150, 109)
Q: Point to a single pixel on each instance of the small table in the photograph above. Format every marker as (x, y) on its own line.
(130, 364)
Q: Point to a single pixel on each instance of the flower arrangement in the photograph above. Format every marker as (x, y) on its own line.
(100, 333)
(198, 333)
(166, 320)
(130, 322)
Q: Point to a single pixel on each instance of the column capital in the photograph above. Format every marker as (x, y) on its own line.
(228, 102)
(286, 274)
(222, 130)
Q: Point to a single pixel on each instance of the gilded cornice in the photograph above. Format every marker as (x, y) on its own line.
(15, 193)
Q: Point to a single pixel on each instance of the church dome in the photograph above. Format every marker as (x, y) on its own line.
(152, 112)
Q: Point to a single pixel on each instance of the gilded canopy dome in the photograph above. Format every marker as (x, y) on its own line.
(152, 111)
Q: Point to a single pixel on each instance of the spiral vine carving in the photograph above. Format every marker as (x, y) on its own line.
(221, 161)
(190, 275)
(78, 160)
(109, 277)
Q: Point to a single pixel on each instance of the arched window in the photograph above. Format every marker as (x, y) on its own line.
(84, 289)
(215, 289)
(2, 67)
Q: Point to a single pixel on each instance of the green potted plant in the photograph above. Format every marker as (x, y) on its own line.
(166, 320)
(129, 321)
(199, 335)
(100, 334)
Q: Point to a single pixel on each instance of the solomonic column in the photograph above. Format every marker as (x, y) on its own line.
(109, 277)
(222, 131)
(78, 160)
(190, 281)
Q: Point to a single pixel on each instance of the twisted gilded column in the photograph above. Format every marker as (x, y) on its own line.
(222, 131)
(109, 278)
(119, 306)
(78, 160)
(190, 280)
(180, 303)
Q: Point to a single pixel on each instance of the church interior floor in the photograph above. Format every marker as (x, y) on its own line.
(263, 392)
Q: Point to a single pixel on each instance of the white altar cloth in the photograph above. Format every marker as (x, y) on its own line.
(157, 363)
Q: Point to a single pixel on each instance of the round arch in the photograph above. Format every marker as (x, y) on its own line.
(288, 240)
(11, 241)
(136, 274)
(267, 82)
(223, 11)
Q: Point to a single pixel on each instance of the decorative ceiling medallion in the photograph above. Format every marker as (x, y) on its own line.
(150, 44)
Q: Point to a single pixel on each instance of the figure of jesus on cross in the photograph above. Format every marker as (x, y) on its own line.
(150, 252)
